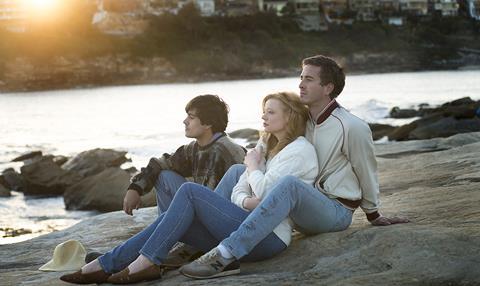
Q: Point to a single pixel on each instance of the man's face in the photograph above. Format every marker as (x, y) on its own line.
(193, 127)
(311, 91)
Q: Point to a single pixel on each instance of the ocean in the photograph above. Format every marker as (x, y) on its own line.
(146, 121)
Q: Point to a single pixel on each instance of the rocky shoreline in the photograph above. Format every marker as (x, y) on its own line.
(95, 179)
(21, 74)
(433, 182)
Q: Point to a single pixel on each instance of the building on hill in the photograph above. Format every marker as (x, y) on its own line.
(444, 8)
(275, 6)
(336, 11)
(414, 7)
(365, 10)
(234, 8)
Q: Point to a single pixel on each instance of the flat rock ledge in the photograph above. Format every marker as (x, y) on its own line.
(435, 183)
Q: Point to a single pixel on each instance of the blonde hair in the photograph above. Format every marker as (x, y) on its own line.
(297, 115)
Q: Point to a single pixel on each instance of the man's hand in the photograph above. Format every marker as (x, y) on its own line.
(383, 221)
(131, 201)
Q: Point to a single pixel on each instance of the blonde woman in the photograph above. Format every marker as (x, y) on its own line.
(202, 218)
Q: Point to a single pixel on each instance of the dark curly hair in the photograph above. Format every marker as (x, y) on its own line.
(211, 110)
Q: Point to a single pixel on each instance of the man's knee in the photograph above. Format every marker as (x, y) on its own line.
(165, 175)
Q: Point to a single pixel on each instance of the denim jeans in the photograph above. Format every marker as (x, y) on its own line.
(196, 216)
(311, 211)
(168, 182)
(166, 186)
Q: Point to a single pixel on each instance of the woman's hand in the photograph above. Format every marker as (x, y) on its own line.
(250, 203)
(252, 160)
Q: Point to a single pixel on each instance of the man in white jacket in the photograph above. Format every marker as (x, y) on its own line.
(347, 176)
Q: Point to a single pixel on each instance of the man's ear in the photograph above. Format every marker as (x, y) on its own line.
(208, 127)
(330, 87)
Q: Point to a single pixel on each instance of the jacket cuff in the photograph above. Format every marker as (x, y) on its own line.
(373, 216)
(136, 188)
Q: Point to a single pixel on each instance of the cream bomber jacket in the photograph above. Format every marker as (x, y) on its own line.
(295, 159)
(346, 159)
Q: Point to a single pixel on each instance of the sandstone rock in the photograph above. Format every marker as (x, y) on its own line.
(44, 177)
(102, 192)
(436, 187)
(95, 161)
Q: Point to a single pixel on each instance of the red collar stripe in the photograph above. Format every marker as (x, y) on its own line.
(326, 113)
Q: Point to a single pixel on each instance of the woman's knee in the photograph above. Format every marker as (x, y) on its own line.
(237, 168)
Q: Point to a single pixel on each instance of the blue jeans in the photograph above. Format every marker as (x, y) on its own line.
(311, 211)
(197, 216)
(168, 182)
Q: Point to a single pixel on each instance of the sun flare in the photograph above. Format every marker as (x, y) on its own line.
(41, 7)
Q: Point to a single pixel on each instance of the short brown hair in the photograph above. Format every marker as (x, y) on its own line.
(211, 110)
(330, 72)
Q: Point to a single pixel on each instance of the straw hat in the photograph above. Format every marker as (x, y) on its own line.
(67, 256)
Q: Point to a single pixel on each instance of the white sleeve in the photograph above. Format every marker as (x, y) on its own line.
(241, 191)
(299, 161)
(360, 153)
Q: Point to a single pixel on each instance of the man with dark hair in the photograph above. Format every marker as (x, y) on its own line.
(204, 160)
(347, 176)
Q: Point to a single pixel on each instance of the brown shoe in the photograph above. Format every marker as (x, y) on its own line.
(88, 278)
(153, 272)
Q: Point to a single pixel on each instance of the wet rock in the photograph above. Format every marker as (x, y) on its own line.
(436, 187)
(132, 170)
(4, 192)
(45, 177)
(94, 161)
(396, 112)
(380, 130)
(13, 180)
(60, 160)
(12, 232)
(460, 101)
(27, 156)
(445, 127)
(432, 126)
(247, 133)
(458, 116)
(103, 192)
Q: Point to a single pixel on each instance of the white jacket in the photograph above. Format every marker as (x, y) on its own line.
(346, 159)
(297, 159)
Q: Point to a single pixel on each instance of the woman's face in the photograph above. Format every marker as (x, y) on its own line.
(274, 117)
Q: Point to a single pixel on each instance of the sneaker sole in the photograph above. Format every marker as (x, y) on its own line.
(221, 274)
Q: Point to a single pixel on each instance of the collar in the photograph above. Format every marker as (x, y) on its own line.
(215, 137)
(322, 116)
